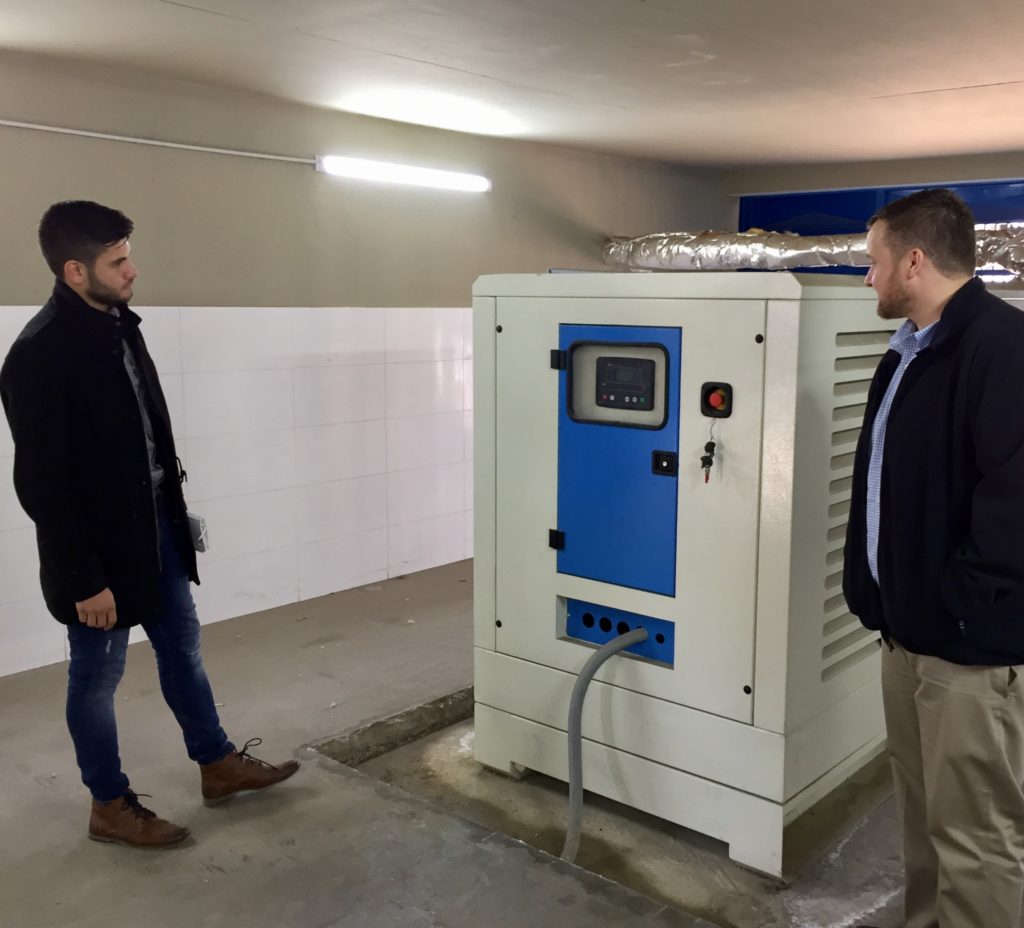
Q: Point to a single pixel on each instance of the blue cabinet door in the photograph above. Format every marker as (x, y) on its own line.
(617, 516)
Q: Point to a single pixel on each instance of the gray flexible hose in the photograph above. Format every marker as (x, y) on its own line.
(579, 693)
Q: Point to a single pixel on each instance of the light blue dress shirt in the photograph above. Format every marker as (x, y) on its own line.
(907, 341)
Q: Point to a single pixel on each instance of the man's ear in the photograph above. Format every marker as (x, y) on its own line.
(916, 263)
(74, 272)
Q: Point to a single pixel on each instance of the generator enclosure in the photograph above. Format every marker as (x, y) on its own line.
(597, 398)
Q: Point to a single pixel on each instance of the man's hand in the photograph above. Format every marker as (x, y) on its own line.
(98, 611)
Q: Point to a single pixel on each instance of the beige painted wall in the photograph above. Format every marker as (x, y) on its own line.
(221, 230)
(793, 177)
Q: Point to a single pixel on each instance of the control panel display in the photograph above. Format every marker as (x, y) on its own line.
(625, 383)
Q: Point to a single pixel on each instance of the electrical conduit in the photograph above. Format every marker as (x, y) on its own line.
(579, 693)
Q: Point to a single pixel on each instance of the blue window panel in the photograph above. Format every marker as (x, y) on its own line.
(810, 213)
(845, 211)
(994, 201)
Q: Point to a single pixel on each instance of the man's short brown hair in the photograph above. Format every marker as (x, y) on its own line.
(79, 230)
(936, 221)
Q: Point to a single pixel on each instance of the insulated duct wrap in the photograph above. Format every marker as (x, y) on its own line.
(731, 251)
(775, 251)
(1002, 248)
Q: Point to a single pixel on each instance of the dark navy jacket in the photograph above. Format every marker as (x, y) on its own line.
(951, 541)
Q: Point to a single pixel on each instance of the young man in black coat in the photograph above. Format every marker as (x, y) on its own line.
(95, 469)
(935, 561)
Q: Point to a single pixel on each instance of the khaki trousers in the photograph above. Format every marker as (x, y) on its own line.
(956, 742)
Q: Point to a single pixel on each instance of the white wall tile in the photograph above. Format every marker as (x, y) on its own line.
(424, 334)
(161, 328)
(344, 507)
(6, 442)
(468, 483)
(425, 388)
(233, 338)
(12, 320)
(430, 543)
(467, 426)
(29, 637)
(248, 584)
(11, 514)
(240, 525)
(468, 534)
(328, 337)
(235, 465)
(300, 428)
(426, 492)
(339, 452)
(342, 563)
(331, 395)
(19, 565)
(423, 441)
(467, 333)
(174, 394)
(227, 402)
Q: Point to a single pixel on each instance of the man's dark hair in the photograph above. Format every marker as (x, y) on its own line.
(936, 221)
(79, 230)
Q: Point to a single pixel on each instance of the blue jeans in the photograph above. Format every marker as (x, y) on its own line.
(97, 665)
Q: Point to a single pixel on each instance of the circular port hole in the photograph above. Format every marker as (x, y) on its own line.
(605, 623)
(622, 628)
(660, 638)
(747, 690)
(588, 620)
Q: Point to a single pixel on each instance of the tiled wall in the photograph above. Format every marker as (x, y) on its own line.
(327, 448)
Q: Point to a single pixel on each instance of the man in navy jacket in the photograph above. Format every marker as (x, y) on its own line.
(935, 561)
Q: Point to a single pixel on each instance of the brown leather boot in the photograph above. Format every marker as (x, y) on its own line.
(240, 772)
(127, 821)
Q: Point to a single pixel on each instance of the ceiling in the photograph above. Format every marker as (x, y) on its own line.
(719, 82)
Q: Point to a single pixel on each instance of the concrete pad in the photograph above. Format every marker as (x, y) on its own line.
(843, 857)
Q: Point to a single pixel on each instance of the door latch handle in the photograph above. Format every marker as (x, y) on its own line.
(665, 463)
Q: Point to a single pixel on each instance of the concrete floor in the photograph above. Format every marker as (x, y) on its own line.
(334, 846)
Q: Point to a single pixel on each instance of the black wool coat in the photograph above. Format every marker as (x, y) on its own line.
(81, 467)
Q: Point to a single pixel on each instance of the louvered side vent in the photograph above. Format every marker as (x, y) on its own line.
(845, 642)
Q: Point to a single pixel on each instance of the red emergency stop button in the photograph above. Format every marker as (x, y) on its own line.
(716, 400)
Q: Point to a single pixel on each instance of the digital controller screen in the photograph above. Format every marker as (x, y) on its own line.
(625, 383)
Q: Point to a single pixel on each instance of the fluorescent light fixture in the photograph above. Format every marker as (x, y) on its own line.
(385, 171)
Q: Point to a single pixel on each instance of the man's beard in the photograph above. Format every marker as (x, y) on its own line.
(105, 296)
(896, 305)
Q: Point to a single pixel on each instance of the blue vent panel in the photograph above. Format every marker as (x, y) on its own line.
(599, 624)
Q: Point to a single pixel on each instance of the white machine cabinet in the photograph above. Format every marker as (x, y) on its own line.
(757, 692)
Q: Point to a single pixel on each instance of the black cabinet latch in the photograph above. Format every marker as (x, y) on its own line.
(665, 463)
